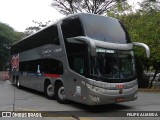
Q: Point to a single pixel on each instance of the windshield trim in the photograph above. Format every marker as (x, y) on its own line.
(124, 70)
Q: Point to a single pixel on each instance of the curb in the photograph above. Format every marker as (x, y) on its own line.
(148, 90)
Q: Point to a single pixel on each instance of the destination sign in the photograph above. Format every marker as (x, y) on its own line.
(102, 50)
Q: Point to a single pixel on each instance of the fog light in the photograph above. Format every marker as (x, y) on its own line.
(121, 99)
(94, 98)
(135, 87)
(136, 95)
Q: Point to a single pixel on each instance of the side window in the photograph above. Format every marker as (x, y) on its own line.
(49, 66)
(72, 27)
(27, 66)
(22, 66)
(52, 66)
(31, 66)
(46, 36)
(77, 64)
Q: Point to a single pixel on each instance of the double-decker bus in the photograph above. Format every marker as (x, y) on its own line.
(84, 58)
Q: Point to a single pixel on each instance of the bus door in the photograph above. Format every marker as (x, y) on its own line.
(77, 63)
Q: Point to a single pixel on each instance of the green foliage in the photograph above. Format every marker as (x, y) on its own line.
(120, 9)
(7, 37)
(67, 7)
(38, 26)
(147, 6)
(143, 26)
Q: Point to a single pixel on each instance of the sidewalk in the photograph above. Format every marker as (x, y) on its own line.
(155, 88)
(1, 76)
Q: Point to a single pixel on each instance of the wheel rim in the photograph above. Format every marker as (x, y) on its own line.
(50, 90)
(18, 83)
(61, 93)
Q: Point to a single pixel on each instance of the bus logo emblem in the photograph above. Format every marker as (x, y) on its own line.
(47, 51)
(120, 86)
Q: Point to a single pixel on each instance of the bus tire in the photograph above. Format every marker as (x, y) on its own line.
(60, 94)
(18, 83)
(49, 91)
(13, 80)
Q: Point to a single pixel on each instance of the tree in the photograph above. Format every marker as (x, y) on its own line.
(67, 7)
(148, 6)
(7, 37)
(151, 9)
(120, 9)
(142, 26)
(38, 26)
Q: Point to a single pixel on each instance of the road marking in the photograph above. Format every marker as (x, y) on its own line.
(4, 108)
(67, 118)
(86, 118)
(72, 118)
(64, 118)
(24, 109)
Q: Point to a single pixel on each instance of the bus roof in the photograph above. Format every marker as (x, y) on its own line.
(82, 16)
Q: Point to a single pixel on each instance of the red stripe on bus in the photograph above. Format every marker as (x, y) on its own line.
(52, 75)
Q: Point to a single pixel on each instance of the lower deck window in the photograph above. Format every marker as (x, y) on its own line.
(43, 66)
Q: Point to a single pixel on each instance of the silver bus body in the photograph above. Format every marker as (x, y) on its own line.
(82, 62)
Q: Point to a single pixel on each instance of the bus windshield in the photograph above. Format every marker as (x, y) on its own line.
(106, 29)
(113, 64)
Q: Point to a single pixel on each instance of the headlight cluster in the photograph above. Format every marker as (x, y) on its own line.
(135, 87)
(94, 98)
(96, 89)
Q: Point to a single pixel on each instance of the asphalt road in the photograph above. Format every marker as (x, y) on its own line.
(13, 99)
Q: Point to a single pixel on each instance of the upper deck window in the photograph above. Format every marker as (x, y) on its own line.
(46, 36)
(72, 27)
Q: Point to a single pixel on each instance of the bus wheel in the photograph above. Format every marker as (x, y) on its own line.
(13, 80)
(49, 91)
(18, 84)
(60, 94)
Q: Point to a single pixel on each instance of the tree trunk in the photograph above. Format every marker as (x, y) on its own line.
(151, 83)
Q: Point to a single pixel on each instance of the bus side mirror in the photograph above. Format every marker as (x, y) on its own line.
(72, 40)
(143, 45)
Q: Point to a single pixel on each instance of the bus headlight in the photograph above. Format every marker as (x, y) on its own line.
(135, 87)
(95, 89)
(89, 86)
(94, 98)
